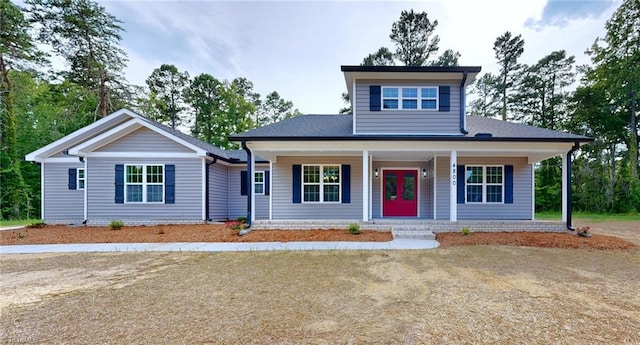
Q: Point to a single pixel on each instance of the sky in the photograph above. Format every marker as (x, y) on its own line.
(297, 47)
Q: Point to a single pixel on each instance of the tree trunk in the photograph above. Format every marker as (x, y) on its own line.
(103, 94)
(504, 94)
(633, 137)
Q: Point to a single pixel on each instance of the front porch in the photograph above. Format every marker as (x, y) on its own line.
(434, 226)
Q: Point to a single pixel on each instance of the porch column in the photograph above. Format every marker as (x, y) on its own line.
(453, 188)
(564, 187)
(252, 179)
(365, 185)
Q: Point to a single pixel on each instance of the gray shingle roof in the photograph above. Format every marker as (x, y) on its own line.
(326, 127)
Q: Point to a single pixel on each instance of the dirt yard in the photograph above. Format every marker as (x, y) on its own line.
(457, 294)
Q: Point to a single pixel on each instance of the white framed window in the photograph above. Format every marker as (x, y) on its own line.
(258, 183)
(410, 98)
(321, 183)
(144, 183)
(484, 184)
(80, 178)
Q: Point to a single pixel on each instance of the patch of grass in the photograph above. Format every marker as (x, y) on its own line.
(36, 225)
(18, 222)
(590, 216)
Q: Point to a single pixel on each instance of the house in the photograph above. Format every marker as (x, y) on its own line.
(408, 152)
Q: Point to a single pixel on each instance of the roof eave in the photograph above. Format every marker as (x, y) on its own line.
(412, 138)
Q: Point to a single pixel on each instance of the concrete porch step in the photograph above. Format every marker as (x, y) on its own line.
(414, 232)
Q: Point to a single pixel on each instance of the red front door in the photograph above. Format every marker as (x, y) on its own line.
(400, 198)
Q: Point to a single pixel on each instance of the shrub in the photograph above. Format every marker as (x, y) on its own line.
(242, 219)
(116, 225)
(354, 228)
(465, 231)
(36, 225)
(234, 225)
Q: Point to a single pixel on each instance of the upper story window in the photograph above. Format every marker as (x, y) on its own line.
(144, 183)
(407, 98)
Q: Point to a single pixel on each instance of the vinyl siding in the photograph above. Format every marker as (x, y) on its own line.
(425, 203)
(102, 207)
(519, 210)
(62, 205)
(237, 202)
(142, 140)
(407, 121)
(283, 206)
(218, 192)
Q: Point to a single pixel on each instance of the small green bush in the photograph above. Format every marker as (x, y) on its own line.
(465, 231)
(354, 228)
(36, 225)
(116, 225)
(242, 220)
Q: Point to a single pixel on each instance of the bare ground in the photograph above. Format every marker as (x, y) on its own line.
(460, 294)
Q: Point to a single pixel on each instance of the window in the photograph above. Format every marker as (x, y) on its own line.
(258, 183)
(406, 98)
(81, 178)
(144, 183)
(321, 183)
(484, 184)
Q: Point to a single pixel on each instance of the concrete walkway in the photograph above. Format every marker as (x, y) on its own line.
(217, 247)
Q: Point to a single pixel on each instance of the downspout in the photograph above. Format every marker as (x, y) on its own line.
(249, 185)
(575, 147)
(206, 182)
(462, 104)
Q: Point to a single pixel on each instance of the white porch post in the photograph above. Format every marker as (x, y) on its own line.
(252, 190)
(564, 188)
(365, 185)
(453, 191)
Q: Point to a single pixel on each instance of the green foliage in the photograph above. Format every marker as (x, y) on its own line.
(487, 100)
(166, 85)
(36, 225)
(116, 225)
(382, 57)
(507, 49)
(413, 35)
(354, 228)
(242, 219)
(449, 58)
(466, 231)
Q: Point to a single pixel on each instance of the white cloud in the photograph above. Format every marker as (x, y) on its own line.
(296, 48)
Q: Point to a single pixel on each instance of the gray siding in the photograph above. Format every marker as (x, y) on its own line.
(188, 198)
(218, 192)
(142, 140)
(61, 205)
(283, 206)
(519, 210)
(425, 203)
(406, 121)
(237, 202)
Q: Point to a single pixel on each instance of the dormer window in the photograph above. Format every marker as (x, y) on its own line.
(410, 98)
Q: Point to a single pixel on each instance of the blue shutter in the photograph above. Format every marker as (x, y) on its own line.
(244, 189)
(297, 183)
(508, 184)
(460, 179)
(374, 98)
(169, 184)
(444, 93)
(346, 184)
(267, 182)
(119, 194)
(72, 178)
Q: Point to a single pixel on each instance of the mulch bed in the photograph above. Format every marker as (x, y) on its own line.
(176, 233)
(220, 233)
(534, 239)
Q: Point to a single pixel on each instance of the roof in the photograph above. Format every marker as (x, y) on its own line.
(411, 69)
(340, 127)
